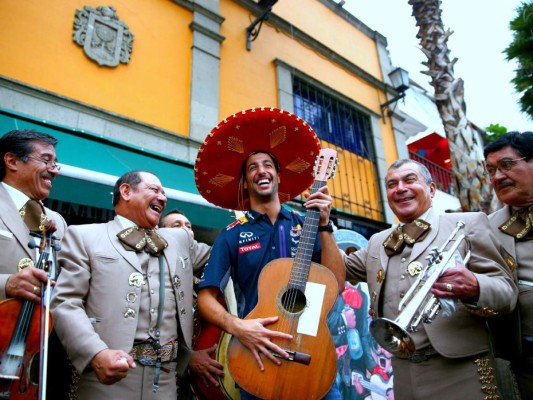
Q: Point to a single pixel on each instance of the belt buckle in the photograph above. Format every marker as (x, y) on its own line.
(146, 361)
(140, 352)
(146, 352)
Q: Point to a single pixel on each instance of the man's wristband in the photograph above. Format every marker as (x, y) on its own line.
(326, 228)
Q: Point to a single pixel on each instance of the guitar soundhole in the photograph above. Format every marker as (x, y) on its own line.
(293, 301)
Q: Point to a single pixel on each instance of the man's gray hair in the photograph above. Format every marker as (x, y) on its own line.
(424, 171)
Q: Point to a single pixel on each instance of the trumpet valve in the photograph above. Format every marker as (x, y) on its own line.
(431, 311)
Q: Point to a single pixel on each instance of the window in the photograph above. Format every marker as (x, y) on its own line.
(343, 127)
(332, 120)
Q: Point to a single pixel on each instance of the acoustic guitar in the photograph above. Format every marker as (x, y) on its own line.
(301, 293)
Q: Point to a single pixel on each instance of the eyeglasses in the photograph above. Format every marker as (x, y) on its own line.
(503, 165)
(50, 165)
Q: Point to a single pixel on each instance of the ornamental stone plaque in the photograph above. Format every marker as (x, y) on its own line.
(104, 38)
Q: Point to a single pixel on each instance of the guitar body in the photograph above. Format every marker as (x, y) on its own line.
(303, 315)
(208, 335)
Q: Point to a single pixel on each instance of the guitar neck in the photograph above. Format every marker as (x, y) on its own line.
(304, 253)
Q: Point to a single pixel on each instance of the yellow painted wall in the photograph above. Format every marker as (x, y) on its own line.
(333, 31)
(389, 142)
(248, 79)
(36, 47)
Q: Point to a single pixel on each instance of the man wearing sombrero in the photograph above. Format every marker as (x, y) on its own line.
(254, 161)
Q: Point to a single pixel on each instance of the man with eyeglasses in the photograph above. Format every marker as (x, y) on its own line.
(27, 171)
(510, 167)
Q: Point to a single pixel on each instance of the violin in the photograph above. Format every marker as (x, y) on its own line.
(24, 333)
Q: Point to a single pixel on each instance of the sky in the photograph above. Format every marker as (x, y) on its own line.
(481, 33)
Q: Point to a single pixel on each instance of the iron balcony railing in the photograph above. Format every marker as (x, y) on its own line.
(442, 176)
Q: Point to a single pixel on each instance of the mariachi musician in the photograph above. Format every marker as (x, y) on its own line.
(452, 356)
(123, 302)
(27, 170)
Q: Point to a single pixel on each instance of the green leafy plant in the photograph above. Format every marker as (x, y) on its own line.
(521, 50)
(494, 131)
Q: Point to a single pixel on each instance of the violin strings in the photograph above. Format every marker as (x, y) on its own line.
(21, 331)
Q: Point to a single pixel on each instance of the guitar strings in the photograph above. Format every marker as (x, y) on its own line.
(299, 272)
(301, 269)
(288, 322)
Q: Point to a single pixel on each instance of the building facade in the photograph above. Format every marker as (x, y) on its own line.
(138, 84)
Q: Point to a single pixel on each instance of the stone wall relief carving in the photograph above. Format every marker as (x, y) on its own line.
(104, 38)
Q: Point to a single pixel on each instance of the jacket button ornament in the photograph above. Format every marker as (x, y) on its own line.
(414, 268)
(25, 262)
(381, 276)
(131, 297)
(136, 279)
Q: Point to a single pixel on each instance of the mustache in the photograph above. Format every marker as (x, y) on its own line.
(504, 183)
(48, 175)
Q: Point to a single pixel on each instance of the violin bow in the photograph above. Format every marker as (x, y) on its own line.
(46, 247)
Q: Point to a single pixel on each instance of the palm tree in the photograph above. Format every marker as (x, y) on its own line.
(521, 50)
(472, 186)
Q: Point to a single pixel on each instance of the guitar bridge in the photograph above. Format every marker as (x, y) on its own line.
(295, 356)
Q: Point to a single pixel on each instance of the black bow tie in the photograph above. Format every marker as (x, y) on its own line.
(139, 239)
(407, 234)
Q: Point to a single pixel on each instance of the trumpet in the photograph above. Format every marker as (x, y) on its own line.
(418, 304)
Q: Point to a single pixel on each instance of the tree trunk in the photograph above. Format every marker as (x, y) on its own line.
(472, 186)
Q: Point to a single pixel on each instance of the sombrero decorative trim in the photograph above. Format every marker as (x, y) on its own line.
(220, 158)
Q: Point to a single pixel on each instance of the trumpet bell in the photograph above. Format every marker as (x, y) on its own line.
(392, 337)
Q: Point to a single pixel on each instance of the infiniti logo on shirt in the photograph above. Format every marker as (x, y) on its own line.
(247, 237)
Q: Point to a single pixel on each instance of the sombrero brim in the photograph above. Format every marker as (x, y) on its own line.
(220, 158)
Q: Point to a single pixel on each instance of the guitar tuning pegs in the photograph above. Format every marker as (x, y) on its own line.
(335, 165)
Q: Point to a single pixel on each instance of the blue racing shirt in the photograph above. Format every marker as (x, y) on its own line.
(245, 246)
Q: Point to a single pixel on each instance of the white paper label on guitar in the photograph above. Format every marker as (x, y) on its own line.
(308, 323)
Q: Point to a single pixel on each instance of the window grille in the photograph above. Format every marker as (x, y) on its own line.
(355, 188)
(332, 120)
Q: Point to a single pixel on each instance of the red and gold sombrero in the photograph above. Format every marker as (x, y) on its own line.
(220, 158)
